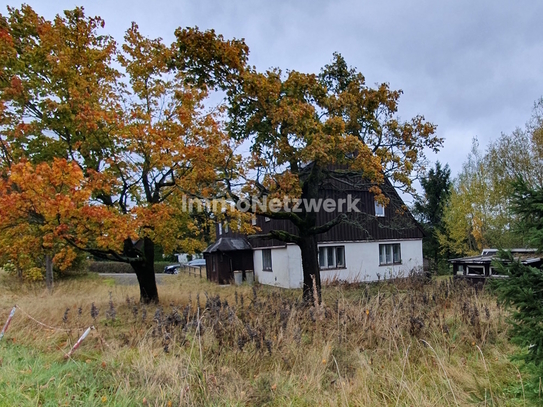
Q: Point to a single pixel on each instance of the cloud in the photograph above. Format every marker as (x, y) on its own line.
(472, 68)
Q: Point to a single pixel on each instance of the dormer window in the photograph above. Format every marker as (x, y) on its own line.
(379, 209)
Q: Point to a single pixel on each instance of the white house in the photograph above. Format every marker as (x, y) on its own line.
(375, 243)
(352, 261)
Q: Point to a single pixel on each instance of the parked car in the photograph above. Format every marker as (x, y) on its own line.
(197, 263)
(172, 269)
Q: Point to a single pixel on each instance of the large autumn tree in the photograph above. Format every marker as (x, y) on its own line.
(119, 125)
(305, 128)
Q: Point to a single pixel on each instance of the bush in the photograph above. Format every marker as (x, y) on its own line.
(118, 267)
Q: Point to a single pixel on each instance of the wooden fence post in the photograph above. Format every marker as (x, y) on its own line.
(49, 272)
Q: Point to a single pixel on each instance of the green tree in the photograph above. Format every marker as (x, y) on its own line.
(477, 214)
(519, 154)
(429, 208)
(479, 211)
(523, 289)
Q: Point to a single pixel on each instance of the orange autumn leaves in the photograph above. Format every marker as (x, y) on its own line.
(49, 208)
(98, 142)
(43, 207)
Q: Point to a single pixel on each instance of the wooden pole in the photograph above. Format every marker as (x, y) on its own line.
(49, 272)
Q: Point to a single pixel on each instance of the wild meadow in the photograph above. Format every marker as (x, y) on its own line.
(407, 342)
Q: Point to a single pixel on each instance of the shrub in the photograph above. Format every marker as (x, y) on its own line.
(118, 267)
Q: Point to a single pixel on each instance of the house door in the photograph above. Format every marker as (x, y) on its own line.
(214, 276)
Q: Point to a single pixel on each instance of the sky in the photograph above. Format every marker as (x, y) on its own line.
(473, 68)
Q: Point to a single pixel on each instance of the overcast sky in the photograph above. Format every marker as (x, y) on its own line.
(474, 68)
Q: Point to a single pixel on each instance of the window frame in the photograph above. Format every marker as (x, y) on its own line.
(265, 267)
(388, 256)
(469, 273)
(460, 270)
(494, 273)
(330, 253)
(379, 210)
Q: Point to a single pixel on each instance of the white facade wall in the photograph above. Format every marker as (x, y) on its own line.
(286, 267)
(361, 263)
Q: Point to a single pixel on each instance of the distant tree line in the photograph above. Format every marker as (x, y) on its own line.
(475, 209)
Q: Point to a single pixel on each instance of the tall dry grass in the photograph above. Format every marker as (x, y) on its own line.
(398, 343)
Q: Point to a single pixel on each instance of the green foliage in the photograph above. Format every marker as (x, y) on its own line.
(522, 291)
(436, 187)
(161, 256)
(477, 215)
(527, 203)
(429, 208)
(519, 154)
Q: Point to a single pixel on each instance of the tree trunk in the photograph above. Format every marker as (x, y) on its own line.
(145, 271)
(308, 241)
(49, 272)
(310, 266)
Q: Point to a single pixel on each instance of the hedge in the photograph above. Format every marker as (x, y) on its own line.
(117, 267)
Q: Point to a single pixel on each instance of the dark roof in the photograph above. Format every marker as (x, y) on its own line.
(228, 244)
(397, 224)
(524, 255)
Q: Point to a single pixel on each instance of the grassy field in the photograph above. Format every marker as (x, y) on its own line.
(403, 343)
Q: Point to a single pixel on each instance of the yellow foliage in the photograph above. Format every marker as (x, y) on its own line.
(476, 216)
(34, 274)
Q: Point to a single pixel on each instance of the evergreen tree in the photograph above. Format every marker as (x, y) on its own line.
(523, 290)
(429, 208)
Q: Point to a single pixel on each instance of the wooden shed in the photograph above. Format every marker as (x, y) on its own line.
(478, 268)
(225, 256)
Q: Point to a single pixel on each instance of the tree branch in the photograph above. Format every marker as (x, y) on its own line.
(103, 254)
(279, 235)
(328, 225)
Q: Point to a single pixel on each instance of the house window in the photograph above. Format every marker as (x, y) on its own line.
(460, 270)
(390, 254)
(496, 272)
(379, 209)
(266, 260)
(332, 257)
(226, 227)
(220, 228)
(475, 271)
(253, 220)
